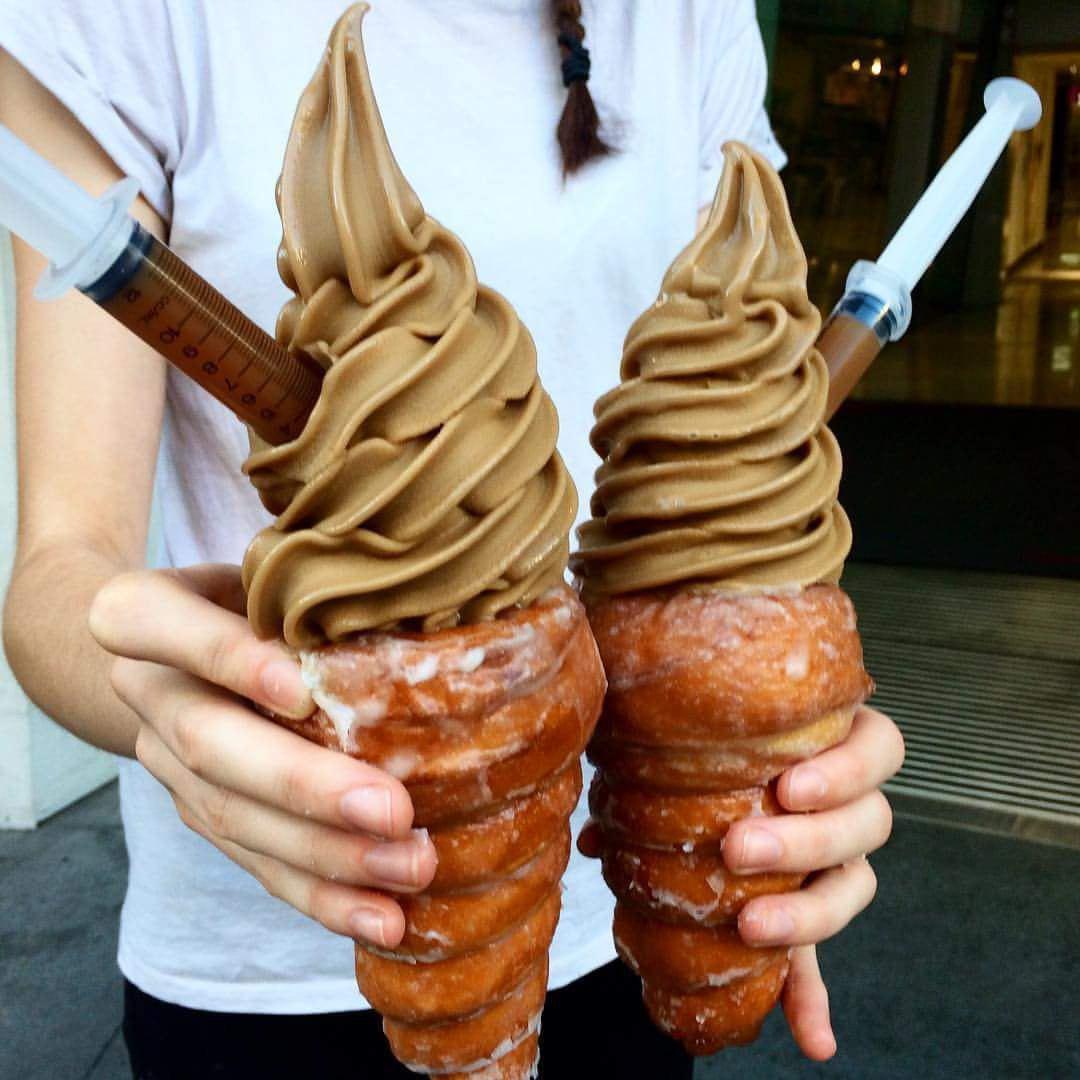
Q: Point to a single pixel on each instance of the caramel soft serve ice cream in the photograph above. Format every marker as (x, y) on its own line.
(425, 489)
(709, 569)
(718, 467)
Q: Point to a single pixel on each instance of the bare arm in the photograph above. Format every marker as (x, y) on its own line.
(158, 664)
(89, 400)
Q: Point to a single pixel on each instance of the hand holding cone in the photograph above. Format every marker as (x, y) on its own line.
(711, 697)
(485, 726)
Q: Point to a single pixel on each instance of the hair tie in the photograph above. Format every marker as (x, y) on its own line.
(576, 67)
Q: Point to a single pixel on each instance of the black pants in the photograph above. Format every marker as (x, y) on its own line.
(593, 1029)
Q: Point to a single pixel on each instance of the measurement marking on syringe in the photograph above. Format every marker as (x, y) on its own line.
(180, 316)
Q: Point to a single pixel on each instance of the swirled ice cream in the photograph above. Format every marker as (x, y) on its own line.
(425, 489)
(718, 468)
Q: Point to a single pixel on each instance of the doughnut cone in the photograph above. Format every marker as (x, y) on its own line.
(711, 697)
(485, 725)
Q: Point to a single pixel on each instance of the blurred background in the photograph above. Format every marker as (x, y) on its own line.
(962, 476)
(869, 100)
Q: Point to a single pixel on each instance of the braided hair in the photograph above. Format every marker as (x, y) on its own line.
(579, 126)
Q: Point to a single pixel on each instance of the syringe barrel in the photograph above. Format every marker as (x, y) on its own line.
(850, 341)
(157, 296)
(94, 245)
(875, 310)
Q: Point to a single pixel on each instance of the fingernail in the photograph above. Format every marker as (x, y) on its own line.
(369, 808)
(759, 848)
(770, 927)
(284, 689)
(807, 785)
(368, 923)
(398, 864)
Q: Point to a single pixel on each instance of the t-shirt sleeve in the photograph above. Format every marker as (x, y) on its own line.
(112, 63)
(733, 77)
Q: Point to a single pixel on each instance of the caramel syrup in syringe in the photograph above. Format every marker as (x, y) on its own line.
(161, 299)
(850, 341)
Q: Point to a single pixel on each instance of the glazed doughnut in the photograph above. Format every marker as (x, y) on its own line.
(726, 664)
(466, 1044)
(485, 726)
(712, 696)
(466, 919)
(692, 887)
(687, 958)
(674, 819)
(738, 762)
(568, 717)
(458, 983)
(485, 848)
(713, 1018)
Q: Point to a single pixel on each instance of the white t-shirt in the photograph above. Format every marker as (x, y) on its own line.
(194, 98)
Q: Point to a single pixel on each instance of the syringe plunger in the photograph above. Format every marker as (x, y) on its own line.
(42, 206)
(1011, 105)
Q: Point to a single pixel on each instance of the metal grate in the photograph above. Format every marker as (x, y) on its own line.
(982, 673)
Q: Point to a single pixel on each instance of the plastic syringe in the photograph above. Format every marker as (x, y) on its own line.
(876, 308)
(97, 247)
